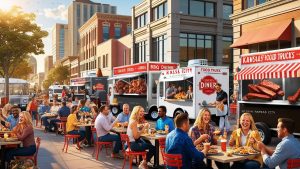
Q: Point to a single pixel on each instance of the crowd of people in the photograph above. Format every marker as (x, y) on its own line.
(181, 138)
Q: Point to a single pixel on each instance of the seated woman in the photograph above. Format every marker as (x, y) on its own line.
(134, 133)
(189, 93)
(72, 127)
(24, 132)
(246, 135)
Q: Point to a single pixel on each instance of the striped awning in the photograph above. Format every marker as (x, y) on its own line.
(289, 70)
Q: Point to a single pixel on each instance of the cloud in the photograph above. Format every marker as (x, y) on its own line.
(61, 12)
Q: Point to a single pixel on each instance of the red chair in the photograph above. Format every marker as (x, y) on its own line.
(99, 144)
(172, 160)
(162, 145)
(62, 124)
(129, 153)
(293, 163)
(67, 140)
(35, 155)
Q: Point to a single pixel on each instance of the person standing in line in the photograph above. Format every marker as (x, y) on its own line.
(32, 108)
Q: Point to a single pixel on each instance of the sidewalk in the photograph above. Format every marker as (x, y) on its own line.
(50, 155)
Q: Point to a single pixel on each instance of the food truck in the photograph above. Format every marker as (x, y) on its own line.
(91, 84)
(136, 85)
(202, 79)
(269, 88)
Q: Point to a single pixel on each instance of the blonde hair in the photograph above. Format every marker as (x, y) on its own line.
(252, 125)
(135, 113)
(6, 109)
(199, 120)
(27, 118)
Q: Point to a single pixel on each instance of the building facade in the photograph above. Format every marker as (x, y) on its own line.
(33, 64)
(48, 64)
(98, 29)
(70, 61)
(60, 41)
(181, 30)
(113, 53)
(79, 12)
(264, 25)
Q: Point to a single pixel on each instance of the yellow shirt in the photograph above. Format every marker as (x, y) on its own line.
(236, 140)
(71, 123)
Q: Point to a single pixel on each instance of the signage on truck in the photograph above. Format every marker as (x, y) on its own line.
(283, 55)
(143, 67)
(99, 86)
(207, 84)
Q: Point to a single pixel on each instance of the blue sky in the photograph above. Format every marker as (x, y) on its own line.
(49, 12)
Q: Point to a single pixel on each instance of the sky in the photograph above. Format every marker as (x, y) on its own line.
(49, 12)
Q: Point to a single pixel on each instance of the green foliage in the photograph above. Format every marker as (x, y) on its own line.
(22, 71)
(59, 74)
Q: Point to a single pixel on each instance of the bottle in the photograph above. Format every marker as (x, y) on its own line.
(225, 134)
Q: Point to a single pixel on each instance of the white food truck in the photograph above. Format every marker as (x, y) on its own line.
(137, 85)
(202, 79)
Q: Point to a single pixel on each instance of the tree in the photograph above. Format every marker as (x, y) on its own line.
(22, 71)
(59, 74)
(19, 37)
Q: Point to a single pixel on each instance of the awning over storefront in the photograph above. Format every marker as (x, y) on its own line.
(288, 70)
(271, 32)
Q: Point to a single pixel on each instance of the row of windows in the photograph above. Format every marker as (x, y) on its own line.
(159, 48)
(104, 61)
(141, 20)
(61, 43)
(140, 52)
(160, 11)
(117, 32)
(197, 8)
(251, 3)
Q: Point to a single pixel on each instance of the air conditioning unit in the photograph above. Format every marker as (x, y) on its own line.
(197, 62)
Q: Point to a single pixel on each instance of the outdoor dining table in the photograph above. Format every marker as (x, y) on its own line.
(119, 130)
(223, 158)
(155, 137)
(4, 143)
(88, 131)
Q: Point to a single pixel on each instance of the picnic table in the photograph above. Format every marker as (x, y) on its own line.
(155, 137)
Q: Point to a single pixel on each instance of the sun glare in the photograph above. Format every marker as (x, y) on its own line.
(6, 4)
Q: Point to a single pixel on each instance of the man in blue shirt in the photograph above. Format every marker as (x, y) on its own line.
(288, 148)
(64, 111)
(178, 142)
(124, 116)
(13, 119)
(44, 108)
(164, 120)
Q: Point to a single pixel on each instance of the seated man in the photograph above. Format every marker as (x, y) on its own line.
(164, 121)
(124, 116)
(103, 124)
(178, 142)
(288, 148)
(13, 119)
(46, 119)
(44, 108)
(64, 111)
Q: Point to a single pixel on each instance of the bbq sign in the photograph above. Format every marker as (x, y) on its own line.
(207, 85)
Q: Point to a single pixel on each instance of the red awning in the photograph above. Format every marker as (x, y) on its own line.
(289, 70)
(271, 32)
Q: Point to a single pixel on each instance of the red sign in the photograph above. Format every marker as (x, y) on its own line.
(282, 55)
(99, 86)
(143, 67)
(207, 85)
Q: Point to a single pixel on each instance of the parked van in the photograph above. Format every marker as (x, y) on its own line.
(56, 90)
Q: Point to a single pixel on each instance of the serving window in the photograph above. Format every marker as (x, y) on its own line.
(182, 89)
(132, 85)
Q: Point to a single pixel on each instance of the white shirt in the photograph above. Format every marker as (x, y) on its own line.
(103, 124)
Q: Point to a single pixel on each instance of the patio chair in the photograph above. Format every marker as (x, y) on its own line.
(293, 163)
(35, 155)
(67, 140)
(172, 160)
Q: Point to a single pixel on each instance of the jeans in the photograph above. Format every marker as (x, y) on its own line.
(247, 164)
(34, 115)
(45, 121)
(23, 151)
(110, 138)
(141, 145)
(53, 123)
(78, 132)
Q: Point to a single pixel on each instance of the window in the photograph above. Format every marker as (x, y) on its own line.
(258, 2)
(159, 48)
(78, 15)
(227, 10)
(117, 32)
(92, 10)
(85, 17)
(298, 41)
(105, 32)
(99, 8)
(196, 46)
(105, 8)
(128, 31)
(105, 61)
(113, 10)
(61, 43)
(197, 8)
(99, 62)
(227, 51)
(141, 20)
(160, 11)
(140, 52)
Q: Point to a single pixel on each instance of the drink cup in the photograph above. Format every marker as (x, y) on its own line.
(5, 135)
(207, 145)
(167, 128)
(223, 145)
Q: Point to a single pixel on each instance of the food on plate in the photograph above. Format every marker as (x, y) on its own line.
(229, 153)
(4, 129)
(212, 151)
(160, 132)
(252, 151)
(180, 95)
(294, 98)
